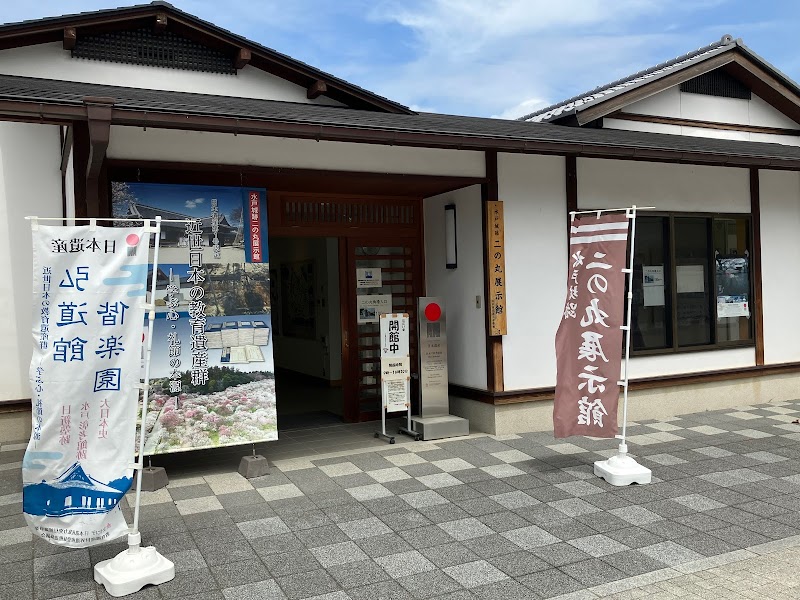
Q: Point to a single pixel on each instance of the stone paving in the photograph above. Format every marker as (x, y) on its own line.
(494, 517)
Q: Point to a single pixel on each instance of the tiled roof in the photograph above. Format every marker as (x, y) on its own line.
(604, 92)
(433, 129)
(89, 17)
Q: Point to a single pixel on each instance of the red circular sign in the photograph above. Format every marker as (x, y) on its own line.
(433, 312)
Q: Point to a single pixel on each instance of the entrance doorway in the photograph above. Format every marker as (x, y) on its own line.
(326, 352)
(344, 233)
(304, 277)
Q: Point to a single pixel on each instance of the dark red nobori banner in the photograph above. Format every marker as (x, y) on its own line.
(589, 338)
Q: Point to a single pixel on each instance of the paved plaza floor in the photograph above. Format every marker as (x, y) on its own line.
(493, 517)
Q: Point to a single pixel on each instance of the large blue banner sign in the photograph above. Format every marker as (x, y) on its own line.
(211, 373)
(89, 292)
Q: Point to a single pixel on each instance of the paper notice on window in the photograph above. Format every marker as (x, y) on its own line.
(732, 306)
(371, 307)
(369, 278)
(653, 285)
(691, 279)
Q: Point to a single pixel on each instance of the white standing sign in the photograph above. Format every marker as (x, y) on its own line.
(89, 290)
(395, 362)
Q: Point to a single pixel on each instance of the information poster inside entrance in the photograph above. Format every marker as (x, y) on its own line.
(212, 371)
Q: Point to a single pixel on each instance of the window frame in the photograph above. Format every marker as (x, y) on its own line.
(711, 280)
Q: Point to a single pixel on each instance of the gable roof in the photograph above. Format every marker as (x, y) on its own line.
(727, 53)
(52, 29)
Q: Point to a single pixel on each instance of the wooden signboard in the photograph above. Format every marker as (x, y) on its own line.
(496, 250)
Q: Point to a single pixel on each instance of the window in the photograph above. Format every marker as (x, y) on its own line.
(691, 283)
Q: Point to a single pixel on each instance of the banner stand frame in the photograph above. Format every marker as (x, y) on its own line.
(622, 469)
(382, 433)
(408, 429)
(133, 568)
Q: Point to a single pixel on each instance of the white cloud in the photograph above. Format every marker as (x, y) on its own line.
(521, 109)
(193, 203)
(508, 57)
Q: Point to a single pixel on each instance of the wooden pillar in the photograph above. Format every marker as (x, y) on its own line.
(571, 188)
(98, 114)
(66, 150)
(80, 158)
(494, 344)
(755, 212)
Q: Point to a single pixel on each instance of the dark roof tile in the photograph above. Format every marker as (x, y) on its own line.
(602, 93)
(143, 9)
(471, 129)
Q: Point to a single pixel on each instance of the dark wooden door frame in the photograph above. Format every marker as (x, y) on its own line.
(350, 333)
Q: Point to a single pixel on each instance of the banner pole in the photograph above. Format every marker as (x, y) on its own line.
(132, 569)
(134, 538)
(623, 447)
(622, 469)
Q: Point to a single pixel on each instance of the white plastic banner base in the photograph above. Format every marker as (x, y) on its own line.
(132, 569)
(622, 469)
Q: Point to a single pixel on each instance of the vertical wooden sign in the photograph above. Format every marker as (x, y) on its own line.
(496, 250)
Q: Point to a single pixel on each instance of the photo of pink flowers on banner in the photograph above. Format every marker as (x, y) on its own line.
(589, 338)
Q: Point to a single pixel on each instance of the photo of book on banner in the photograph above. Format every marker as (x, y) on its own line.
(212, 377)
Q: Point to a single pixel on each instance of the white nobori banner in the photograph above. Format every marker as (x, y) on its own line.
(89, 290)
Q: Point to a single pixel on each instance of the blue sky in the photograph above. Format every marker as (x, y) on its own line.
(191, 200)
(484, 57)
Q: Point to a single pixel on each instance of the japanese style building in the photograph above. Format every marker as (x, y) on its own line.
(354, 180)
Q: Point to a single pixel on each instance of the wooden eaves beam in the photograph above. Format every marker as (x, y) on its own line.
(243, 57)
(316, 89)
(161, 22)
(70, 38)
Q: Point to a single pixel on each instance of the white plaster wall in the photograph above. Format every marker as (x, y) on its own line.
(534, 195)
(30, 184)
(221, 148)
(780, 252)
(663, 104)
(768, 138)
(764, 114)
(680, 105)
(51, 61)
(720, 134)
(700, 107)
(691, 362)
(641, 126)
(466, 325)
(668, 187)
